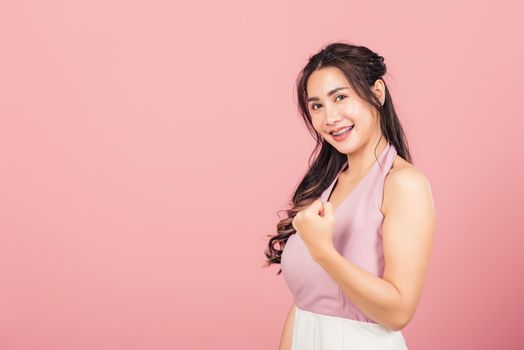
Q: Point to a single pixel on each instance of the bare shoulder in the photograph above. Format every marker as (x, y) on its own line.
(404, 179)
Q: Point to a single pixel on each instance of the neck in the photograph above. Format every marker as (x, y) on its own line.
(362, 159)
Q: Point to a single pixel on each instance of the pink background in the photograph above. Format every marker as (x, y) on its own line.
(147, 146)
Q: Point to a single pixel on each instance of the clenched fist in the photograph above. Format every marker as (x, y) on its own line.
(315, 225)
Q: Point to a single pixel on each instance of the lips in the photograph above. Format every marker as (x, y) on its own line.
(343, 134)
(338, 129)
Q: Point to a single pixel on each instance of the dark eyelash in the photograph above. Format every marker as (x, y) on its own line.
(313, 105)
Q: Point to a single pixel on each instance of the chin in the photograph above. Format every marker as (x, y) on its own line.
(346, 149)
(348, 145)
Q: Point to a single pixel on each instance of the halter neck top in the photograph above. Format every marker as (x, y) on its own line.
(357, 236)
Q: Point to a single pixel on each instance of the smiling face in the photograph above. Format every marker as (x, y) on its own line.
(333, 104)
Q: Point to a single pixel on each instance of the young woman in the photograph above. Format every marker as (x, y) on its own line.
(356, 244)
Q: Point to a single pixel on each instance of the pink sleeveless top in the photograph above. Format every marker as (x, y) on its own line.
(357, 237)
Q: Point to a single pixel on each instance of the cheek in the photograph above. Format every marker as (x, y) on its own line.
(317, 125)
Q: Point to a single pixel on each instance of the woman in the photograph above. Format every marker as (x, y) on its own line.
(356, 244)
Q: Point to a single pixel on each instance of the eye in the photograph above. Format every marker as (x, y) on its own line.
(315, 104)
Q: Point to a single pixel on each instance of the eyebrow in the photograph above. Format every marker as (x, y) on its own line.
(314, 98)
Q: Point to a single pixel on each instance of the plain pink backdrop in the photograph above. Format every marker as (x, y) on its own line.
(146, 147)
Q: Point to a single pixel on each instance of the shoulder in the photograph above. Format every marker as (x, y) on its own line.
(404, 174)
(405, 180)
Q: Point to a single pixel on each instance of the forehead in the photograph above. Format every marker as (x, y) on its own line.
(325, 79)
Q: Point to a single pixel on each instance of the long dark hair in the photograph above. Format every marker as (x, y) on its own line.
(362, 67)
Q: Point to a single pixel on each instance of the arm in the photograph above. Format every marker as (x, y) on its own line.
(407, 233)
(287, 333)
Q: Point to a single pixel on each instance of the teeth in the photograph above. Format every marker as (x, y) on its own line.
(342, 131)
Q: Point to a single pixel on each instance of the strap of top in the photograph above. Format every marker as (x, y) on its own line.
(382, 171)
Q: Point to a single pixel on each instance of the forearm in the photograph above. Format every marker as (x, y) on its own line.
(287, 332)
(379, 299)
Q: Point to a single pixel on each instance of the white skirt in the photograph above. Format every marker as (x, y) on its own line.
(313, 331)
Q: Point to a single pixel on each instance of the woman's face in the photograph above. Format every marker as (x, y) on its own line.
(342, 108)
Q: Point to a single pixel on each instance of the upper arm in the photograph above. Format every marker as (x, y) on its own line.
(407, 233)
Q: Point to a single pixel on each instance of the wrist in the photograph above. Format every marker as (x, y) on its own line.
(324, 254)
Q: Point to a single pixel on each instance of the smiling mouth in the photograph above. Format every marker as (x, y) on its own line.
(341, 131)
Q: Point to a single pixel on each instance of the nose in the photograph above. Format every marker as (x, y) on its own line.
(332, 116)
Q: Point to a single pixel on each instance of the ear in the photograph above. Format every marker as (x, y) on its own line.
(379, 88)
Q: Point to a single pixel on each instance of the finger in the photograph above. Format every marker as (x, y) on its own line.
(315, 206)
(328, 209)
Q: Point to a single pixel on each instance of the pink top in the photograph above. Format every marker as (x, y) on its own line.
(357, 237)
